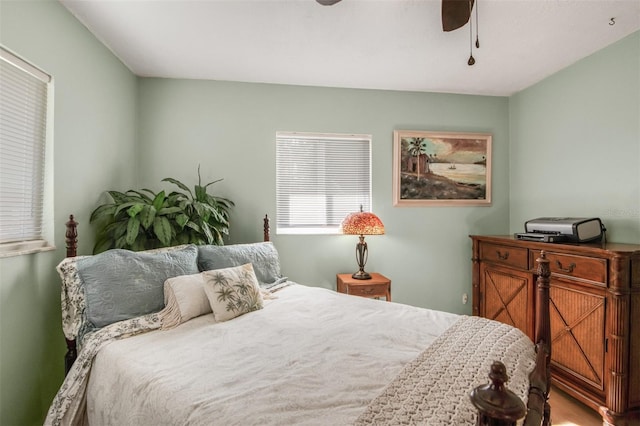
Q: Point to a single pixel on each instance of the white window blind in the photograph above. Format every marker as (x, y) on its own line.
(24, 104)
(320, 178)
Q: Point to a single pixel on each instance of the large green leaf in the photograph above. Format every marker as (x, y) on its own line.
(117, 229)
(135, 209)
(124, 206)
(102, 212)
(182, 220)
(214, 213)
(187, 206)
(201, 193)
(194, 226)
(217, 236)
(118, 197)
(226, 203)
(158, 202)
(147, 215)
(202, 210)
(207, 233)
(178, 184)
(131, 196)
(174, 197)
(162, 229)
(143, 196)
(169, 210)
(133, 227)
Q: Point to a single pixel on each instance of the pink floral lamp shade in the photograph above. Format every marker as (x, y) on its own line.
(362, 223)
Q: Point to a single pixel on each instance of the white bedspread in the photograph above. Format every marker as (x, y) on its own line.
(300, 360)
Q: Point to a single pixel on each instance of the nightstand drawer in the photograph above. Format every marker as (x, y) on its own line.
(506, 255)
(372, 290)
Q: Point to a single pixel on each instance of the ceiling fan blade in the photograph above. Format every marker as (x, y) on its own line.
(455, 13)
(327, 2)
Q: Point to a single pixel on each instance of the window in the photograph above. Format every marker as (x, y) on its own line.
(25, 170)
(320, 178)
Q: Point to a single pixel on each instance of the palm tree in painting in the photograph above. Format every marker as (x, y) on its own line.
(417, 147)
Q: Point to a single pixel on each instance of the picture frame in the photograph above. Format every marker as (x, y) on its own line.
(441, 168)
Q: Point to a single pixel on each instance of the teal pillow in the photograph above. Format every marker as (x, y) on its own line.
(263, 256)
(122, 284)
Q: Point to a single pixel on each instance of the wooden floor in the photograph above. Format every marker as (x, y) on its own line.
(566, 411)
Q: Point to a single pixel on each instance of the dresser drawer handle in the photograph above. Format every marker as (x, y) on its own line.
(367, 290)
(567, 270)
(501, 256)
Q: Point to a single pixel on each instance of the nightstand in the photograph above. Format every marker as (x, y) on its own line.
(377, 286)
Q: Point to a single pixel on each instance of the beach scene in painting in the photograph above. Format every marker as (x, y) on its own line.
(436, 167)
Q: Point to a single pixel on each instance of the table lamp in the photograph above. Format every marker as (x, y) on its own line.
(362, 223)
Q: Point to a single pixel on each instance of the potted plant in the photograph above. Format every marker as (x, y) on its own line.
(141, 220)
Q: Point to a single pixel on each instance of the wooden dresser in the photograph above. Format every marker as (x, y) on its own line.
(595, 314)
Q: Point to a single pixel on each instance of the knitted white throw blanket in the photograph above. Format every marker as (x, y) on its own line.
(434, 388)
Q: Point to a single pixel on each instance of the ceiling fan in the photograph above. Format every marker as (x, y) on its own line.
(455, 14)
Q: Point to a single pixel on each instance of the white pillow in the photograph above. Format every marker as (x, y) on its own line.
(184, 298)
(232, 291)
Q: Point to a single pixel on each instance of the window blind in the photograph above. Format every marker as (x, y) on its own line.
(23, 133)
(320, 178)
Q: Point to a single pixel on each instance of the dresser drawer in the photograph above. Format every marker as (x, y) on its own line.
(506, 255)
(584, 268)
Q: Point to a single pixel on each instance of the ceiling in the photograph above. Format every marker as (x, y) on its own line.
(370, 44)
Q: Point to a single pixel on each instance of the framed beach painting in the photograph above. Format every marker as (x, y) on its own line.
(441, 168)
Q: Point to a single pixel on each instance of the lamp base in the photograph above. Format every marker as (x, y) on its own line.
(361, 275)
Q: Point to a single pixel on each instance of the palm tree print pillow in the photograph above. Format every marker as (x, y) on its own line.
(232, 291)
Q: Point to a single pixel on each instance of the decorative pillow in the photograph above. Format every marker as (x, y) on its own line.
(232, 291)
(122, 284)
(184, 298)
(263, 256)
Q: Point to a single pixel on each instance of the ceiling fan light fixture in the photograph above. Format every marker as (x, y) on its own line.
(327, 2)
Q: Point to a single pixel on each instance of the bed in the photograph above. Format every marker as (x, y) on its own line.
(234, 342)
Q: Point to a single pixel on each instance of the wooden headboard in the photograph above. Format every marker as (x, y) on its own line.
(71, 239)
(71, 235)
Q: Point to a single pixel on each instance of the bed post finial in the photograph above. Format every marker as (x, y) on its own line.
(266, 228)
(71, 237)
(496, 404)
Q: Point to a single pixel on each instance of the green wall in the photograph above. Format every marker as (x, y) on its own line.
(114, 131)
(230, 128)
(575, 143)
(94, 149)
